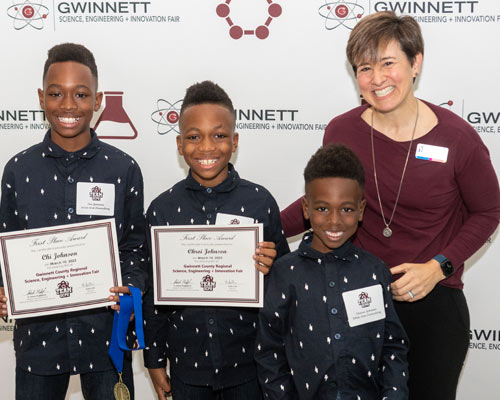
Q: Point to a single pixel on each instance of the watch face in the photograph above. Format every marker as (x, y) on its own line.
(447, 268)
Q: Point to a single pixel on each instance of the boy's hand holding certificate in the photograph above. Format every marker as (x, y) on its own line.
(59, 269)
(207, 265)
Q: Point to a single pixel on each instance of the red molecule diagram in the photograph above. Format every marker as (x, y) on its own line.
(262, 31)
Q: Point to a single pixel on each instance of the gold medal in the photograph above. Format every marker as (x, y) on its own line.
(121, 390)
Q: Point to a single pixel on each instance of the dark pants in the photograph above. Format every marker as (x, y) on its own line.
(246, 391)
(95, 385)
(438, 329)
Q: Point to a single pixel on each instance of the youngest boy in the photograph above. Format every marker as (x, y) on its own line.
(328, 329)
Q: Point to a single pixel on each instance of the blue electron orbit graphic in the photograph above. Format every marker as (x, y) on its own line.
(341, 13)
(167, 116)
(28, 13)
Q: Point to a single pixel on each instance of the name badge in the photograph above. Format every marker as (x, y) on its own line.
(431, 153)
(229, 219)
(364, 305)
(95, 198)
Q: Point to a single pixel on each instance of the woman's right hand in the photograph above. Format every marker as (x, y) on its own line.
(161, 382)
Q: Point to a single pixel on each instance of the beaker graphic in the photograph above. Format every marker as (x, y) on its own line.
(114, 123)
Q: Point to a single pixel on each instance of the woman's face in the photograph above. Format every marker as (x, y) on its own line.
(387, 83)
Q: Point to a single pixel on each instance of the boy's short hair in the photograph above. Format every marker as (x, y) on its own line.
(335, 161)
(70, 52)
(206, 92)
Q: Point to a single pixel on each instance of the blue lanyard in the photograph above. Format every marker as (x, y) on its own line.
(118, 346)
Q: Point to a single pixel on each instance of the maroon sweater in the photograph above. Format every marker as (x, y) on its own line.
(444, 208)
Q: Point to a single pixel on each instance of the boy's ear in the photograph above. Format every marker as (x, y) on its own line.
(98, 101)
(40, 99)
(305, 207)
(179, 145)
(236, 138)
(362, 210)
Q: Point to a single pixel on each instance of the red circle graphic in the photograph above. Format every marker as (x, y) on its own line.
(28, 12)
(341, 11)
(172, 117)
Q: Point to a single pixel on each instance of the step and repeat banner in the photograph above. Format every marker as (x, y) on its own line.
(283, 64)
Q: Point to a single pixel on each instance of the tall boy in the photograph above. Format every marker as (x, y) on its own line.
(328, 329)
(40, 188)
(210, 348)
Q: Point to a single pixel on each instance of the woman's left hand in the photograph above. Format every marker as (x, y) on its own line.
(417, 281)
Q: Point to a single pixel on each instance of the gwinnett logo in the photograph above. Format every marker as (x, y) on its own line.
(28, 14)
(341, 14)
(166, 116)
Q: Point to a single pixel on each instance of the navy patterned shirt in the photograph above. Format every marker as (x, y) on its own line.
(305, 347)
(39, 189)
(210, 346)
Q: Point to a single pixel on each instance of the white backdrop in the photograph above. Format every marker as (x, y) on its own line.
(287, 79)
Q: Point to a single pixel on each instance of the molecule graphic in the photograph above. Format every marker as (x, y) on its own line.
(236, 32)
(167, 116)
(341, 13)
(28, 14)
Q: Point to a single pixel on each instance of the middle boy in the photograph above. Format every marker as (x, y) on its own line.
(210, 348)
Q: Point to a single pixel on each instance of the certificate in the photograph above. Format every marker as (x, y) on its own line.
(59, 269)
(207, 265)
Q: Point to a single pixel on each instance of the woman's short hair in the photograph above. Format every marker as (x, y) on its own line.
(377, 30)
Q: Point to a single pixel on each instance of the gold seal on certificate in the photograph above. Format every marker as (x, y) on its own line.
(59, 269)
(208, 265)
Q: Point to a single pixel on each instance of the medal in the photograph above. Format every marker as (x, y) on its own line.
(121, 390)
(387, 232)
(118, 345)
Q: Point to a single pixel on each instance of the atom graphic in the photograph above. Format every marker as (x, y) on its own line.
(28, 14)
(341, 13)
(447, 103)
(167, 116)
(236, 32)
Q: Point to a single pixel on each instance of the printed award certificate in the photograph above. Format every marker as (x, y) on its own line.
(59, 269)
(208, 265)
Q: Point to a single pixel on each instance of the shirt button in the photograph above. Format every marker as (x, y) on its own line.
(337, 336)
(71, 155)
(333, 311)
(209, 216)
(70, 179)
(71, 210)
(209, 190)
(211, 321)
(331, 283)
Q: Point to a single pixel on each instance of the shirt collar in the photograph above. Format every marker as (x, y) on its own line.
(53, 150)
(227, 185)
(344, 252)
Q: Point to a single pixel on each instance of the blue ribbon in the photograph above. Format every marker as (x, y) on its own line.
(118, 346)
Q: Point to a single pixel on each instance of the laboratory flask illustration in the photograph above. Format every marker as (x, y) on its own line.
(114, 122)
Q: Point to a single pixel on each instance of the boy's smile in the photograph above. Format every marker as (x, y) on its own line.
(69, 100)
(334, 206)
(207, 141)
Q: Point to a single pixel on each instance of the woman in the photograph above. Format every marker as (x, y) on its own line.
(433, 196)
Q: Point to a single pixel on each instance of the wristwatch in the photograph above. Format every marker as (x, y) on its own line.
(446, 265)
